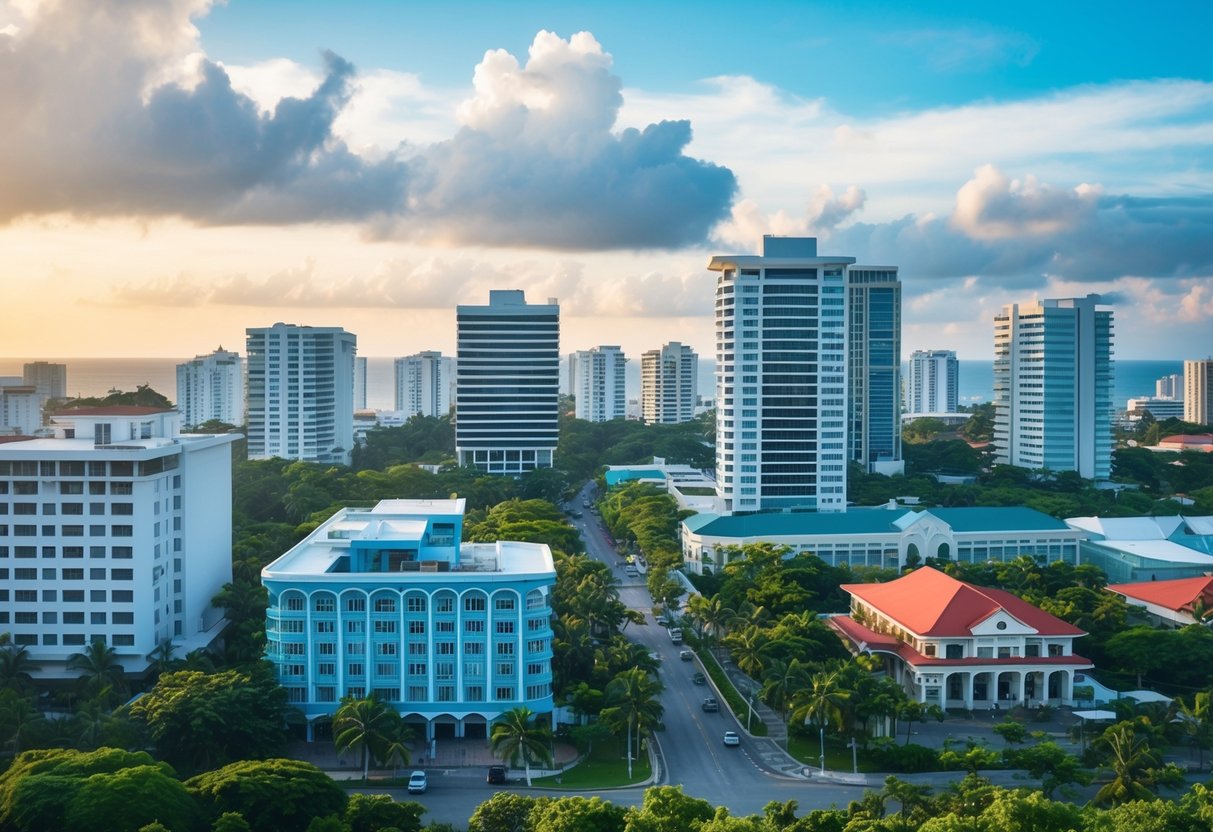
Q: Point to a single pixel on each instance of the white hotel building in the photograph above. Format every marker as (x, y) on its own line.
(211, 387)
(598, 384)
(118, 529)
(388, 600)
(424, 384)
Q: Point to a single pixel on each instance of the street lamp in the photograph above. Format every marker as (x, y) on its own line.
(750, 716)
(823, 749)
(854, 756)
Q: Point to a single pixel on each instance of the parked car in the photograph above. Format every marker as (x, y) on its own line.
(417, 783)
(699, 679)
(731, 739)
(686, 655)
(710, 705)
(496, 775)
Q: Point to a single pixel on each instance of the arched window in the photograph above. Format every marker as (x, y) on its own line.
(943, 552)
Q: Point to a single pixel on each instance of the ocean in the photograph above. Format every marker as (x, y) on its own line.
(96, 376)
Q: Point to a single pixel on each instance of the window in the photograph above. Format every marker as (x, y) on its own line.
(416, 628)
(505, 668)
(294, 603)
(473, 603)
(473, 648)
(123, 618)
(416, 603)
(326, 603)
(505, 693)
(474, 693)
(387, 648)
(385, 605)
(503, 604)
(326, 626)
(385, 626)
(326, 648)
(122, 596)
(417, 668)
(444, 603)
(353, 627)
(355, 605)
(505, 648)
(473, 626)
(354, 669)
(504, 627)
(385, 669)
(326, 669)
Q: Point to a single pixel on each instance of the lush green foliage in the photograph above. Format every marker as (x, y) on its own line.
(428, 439)
(371, 729)
(584, 447)
(270, 795)
(373, 812)
(532, 521)
(520, 736)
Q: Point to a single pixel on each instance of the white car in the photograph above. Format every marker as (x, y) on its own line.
(731, 739)
(417, 783)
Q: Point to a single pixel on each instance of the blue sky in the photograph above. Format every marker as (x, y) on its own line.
(372, 164)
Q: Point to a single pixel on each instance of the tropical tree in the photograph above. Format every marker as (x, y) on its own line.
(369, 728)
(748, 648)
(99, 669)
(162, 658)
(781, 681)
(821, 703)
(633, 702)
(16, 668)
(1131, 761)
(1197, 722)
(713, 616)
(18, 718)
(520, 735)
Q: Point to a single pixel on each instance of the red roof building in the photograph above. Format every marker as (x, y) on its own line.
(1169, 602)
(958, 645)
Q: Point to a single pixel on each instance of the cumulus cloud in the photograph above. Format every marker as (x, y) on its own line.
(825, 212)
(131, 119)
(991, 206)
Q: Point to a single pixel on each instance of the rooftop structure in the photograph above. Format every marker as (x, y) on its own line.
(1171, 603)
(1133, 549)
(388, 600)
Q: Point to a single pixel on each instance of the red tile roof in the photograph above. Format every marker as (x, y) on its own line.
(1176, 595)
(931, 603)
(1188, 439)
(869, 640)
(114, 410)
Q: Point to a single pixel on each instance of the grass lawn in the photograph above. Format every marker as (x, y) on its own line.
(838, 753)
(606, 766)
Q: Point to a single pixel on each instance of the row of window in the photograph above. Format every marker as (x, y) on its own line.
(391, 648)
(72, 639)
(417, 628)
(419, 693)
(32, 530)
(49, 574)
(68, 552)
(70, 596)
(68, 618)
(50, 509)
(325, 602)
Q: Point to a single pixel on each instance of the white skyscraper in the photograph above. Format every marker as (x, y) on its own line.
(301, 393)
(1053, 386)
(507, 381)
(1170, 387)
(359, 382)
(211, 387)
(423, 384)
(117, 530)
(669, 384)
(49, 379)
(598, 384)
(781, 378)
(1198, 391)
(933, 382)
(20, 409)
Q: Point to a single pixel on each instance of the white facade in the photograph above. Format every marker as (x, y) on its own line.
(1053, 386)
(1160, 409)
(669, 384)
(598, 383)
(933, 383)
(1170, 387)
(211, 387)
(301, 393)
(49, 379)
(118, 529)
(1198, 392)
(424, 383)
(20, 410)
(781, 378)
(359, 383)
(388, 600)
(507, 375)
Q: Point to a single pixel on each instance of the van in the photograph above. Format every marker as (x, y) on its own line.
(676, 635)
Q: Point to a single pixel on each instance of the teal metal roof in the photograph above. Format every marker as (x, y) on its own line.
(871, 521)
(619, 475)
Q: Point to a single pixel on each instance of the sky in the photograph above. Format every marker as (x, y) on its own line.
(173, 171)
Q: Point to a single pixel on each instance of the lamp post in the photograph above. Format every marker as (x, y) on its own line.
(750, 715)
(854, 756)
(823, 749)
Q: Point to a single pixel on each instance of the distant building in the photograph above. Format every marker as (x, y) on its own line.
(874, 368)
(958, 645)
(889, 538)
(933, 382)
(1159, 409)
(598, 384)
(423, 384)
(20, 410)
(1169, 603)
(1053, 386)
(507, 383)
(119, 530)
(359, 382)
(1134, 549)
(1170, 387)
(301, 393)
(211, 387)
(1198, 392)
(389, 601)
(50, 380)
(669, 384)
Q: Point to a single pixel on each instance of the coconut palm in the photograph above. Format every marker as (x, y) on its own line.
(18, 717)
(713, 616)
(780, 682)
(821, 703)
(520, 735)
(1195, 719)
(367, 727)
(99, 669)
(749, 650)
(633, 702)
(161, 658)
(1130, 760)
(15, 668)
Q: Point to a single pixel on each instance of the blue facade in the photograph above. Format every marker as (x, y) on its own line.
(388, 601)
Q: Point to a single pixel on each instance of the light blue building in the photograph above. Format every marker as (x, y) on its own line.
(388, 600)
(1132, 549)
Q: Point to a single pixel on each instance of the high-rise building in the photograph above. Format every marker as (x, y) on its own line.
(1053, 386)
(669, 384)
(507, 375)
(933, 382)
(598, 384)
(781, 378)
(124, 536)
(20, 410)
(211, 387)
(874, 371)
(301, 393)
(359, 382)
(423, 384)
(1170, 387)
(1198, 391)
(50, 380)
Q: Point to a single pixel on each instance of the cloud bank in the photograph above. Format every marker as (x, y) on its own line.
(111, 110)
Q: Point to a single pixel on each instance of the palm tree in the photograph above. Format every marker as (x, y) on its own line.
(1130, 759)
(365, 726)
(15, 667)
(99, 669)
(1196, 722)
(781, 681)
(714, 617)
(161, 658)
(17, 717)
(749, 650)
(633, 700)
(519, 734)
(822, 701)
